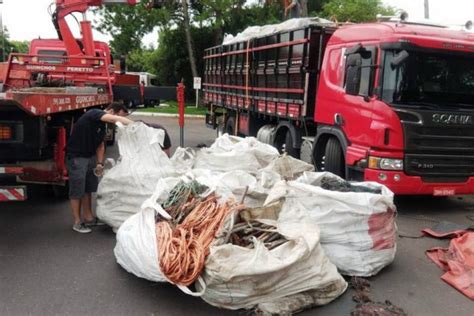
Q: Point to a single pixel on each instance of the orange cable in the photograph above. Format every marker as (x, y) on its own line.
(183, 249)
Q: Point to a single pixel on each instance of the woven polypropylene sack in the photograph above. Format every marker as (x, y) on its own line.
(358, 229)
(136, 249)
(133, 179)
(237, 277)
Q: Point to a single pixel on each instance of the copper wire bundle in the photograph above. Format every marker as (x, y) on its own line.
(183, 248)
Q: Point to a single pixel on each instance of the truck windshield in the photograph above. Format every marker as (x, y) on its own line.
(436, 80)
(51, 60)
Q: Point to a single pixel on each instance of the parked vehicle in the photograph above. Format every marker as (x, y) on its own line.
(391, 102)
(45, 91)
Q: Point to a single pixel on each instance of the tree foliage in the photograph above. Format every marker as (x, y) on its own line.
(141, 60)
(355, 10)
(315, 7)
(8, 46)
(232, 16)
(127, 25)
(170, 62)
(20, 46)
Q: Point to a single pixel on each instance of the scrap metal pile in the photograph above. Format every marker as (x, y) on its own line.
(243, 227)
(244, 233)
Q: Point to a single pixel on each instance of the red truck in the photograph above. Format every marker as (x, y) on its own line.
(44, 92)
(391, 102)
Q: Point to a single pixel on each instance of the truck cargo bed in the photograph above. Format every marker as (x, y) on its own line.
(44, 101)
(273, 75)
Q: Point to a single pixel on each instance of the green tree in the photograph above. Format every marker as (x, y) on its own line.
(233, 16)
(141, 60)
(8, 46)
(170, 62)
(355, 10)
(315, 7)
(20, 46)
(127, 25)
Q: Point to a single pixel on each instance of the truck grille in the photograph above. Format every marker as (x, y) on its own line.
(439, 152)
(439, 165)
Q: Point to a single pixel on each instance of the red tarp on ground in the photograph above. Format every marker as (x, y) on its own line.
(458, 263)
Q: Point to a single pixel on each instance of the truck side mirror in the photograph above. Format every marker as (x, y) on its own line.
(353, 74)
(399, 59)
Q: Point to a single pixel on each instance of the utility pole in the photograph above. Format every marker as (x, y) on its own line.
(427, 9)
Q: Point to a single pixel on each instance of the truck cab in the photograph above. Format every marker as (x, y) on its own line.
(399, 98)
(55, 48)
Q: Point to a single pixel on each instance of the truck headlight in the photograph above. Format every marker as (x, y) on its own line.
(385, 163)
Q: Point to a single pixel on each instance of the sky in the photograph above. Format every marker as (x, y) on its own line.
(29, 19)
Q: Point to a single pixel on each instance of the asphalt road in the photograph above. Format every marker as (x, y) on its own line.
(47, 269)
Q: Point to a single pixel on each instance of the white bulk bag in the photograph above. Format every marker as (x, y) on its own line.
(132, 180)
(235, 277)
(235, 153)
(288, 168)
(136, 249)
(358, 230)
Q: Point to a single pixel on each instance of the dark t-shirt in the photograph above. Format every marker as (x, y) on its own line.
(87, 134)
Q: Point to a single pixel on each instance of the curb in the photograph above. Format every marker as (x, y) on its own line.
(137, 113)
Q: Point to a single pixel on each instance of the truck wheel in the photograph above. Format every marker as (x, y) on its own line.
(289, 148)
(284, 143)
(334, 158)
(230, 126)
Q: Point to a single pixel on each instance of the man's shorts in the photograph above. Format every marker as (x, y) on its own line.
(81, 176)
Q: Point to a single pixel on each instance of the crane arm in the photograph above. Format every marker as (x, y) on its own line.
(67, 7)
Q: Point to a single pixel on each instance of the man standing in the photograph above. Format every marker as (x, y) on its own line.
(85, 152)
(293, 9)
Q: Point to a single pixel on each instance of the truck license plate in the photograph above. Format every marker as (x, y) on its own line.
(444, 191)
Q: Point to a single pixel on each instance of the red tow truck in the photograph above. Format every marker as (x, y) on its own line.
(44, 92)
(391, 102)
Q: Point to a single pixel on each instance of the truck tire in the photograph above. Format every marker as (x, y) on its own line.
(334, 158)
(289, 147)
(230, 126)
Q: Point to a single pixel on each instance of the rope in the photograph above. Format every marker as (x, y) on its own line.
(183, 248)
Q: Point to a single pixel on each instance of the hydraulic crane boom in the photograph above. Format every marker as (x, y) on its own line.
(85, 47)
